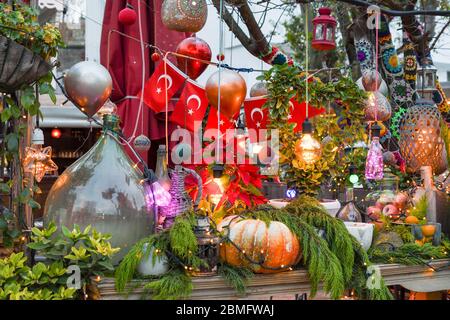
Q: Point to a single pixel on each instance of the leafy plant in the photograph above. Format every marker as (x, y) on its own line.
(21, 25)
(40, 282)
(420, 209)
(410, 254)
(341, 126)
(88, 249)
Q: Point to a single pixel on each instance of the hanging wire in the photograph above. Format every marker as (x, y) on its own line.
(221, 49)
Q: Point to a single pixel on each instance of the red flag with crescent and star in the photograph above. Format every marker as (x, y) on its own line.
(256, 116)
(213, 120)
(298, 113)
(155, 88)
(191, 107)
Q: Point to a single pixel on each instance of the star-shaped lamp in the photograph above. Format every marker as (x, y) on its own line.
(38, 161)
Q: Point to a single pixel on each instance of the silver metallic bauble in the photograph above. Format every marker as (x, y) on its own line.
(377, 107)
(88, 85)
(258, 89)
(142, 143)
(184, 15)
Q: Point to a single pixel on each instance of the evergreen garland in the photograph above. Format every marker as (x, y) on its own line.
(175, 284)
(409, 254)
(235, 277)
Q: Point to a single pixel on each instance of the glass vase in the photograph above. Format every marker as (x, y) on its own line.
(102, 189)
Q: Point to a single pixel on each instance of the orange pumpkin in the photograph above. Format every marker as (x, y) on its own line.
(275, 244)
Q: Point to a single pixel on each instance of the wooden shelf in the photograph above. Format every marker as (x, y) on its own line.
(416, 278)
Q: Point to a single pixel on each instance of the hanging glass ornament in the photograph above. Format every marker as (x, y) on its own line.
(371, 80)
(102, 189)
(374, 161)
(259, 89)
(142, 143)
(184, 15)
(383, 88)
(421, 142)
(377, 107)
(161, 171)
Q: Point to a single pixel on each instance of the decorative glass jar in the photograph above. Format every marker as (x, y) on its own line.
(102, 189)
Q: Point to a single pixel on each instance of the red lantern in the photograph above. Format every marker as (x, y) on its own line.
(324, 30)
(56, 133)
(127, 16)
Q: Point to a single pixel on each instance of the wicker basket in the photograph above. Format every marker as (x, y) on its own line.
(19, 66)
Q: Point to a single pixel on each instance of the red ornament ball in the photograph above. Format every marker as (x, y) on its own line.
(155, 57)
(127, 16)
(221, 57)
(56, 133)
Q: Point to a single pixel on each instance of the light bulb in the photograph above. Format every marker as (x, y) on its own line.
(354, 178)
(308, 149)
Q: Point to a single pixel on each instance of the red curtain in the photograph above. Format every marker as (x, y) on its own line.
(125, 64)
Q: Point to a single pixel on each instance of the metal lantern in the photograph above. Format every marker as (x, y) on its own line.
(324, 30)
(208, 246)
(421, 143)
(426, 81)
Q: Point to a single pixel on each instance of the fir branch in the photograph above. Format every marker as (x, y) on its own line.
(236, 277)
(173, 285)
(183, 241)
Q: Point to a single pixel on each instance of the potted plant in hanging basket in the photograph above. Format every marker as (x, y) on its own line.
(25, 47)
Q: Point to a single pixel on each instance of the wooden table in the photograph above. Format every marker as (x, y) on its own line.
(415, 278)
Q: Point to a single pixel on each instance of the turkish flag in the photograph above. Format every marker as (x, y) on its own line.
(213, 120)
(298, 113)
(166, 75)
(191, 107)
(256, 117)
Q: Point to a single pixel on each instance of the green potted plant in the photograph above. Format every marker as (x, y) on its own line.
(26, 47)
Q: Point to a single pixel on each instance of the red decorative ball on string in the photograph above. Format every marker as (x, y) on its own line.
(155, 57)
(127, 16)
(221, 57)
(56, 133)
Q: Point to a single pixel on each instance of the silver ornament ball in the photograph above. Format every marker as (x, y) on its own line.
(142, 143)
(259, 89)
(88, 85)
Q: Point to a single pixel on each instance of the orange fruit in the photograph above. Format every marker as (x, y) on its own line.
(428, 230)
(419, 242)
(411, 220)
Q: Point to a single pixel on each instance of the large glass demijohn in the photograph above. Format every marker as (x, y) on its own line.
(104, 190)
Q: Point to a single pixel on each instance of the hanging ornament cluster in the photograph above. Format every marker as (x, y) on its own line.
(324, 30)
(421, 143)
(196, 48)
(233, 90)
(88, 85)
(127, 16)
(184, 15)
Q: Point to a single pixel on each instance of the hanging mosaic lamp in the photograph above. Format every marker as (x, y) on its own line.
(184, 15)
(103, 189)
(421, 142)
